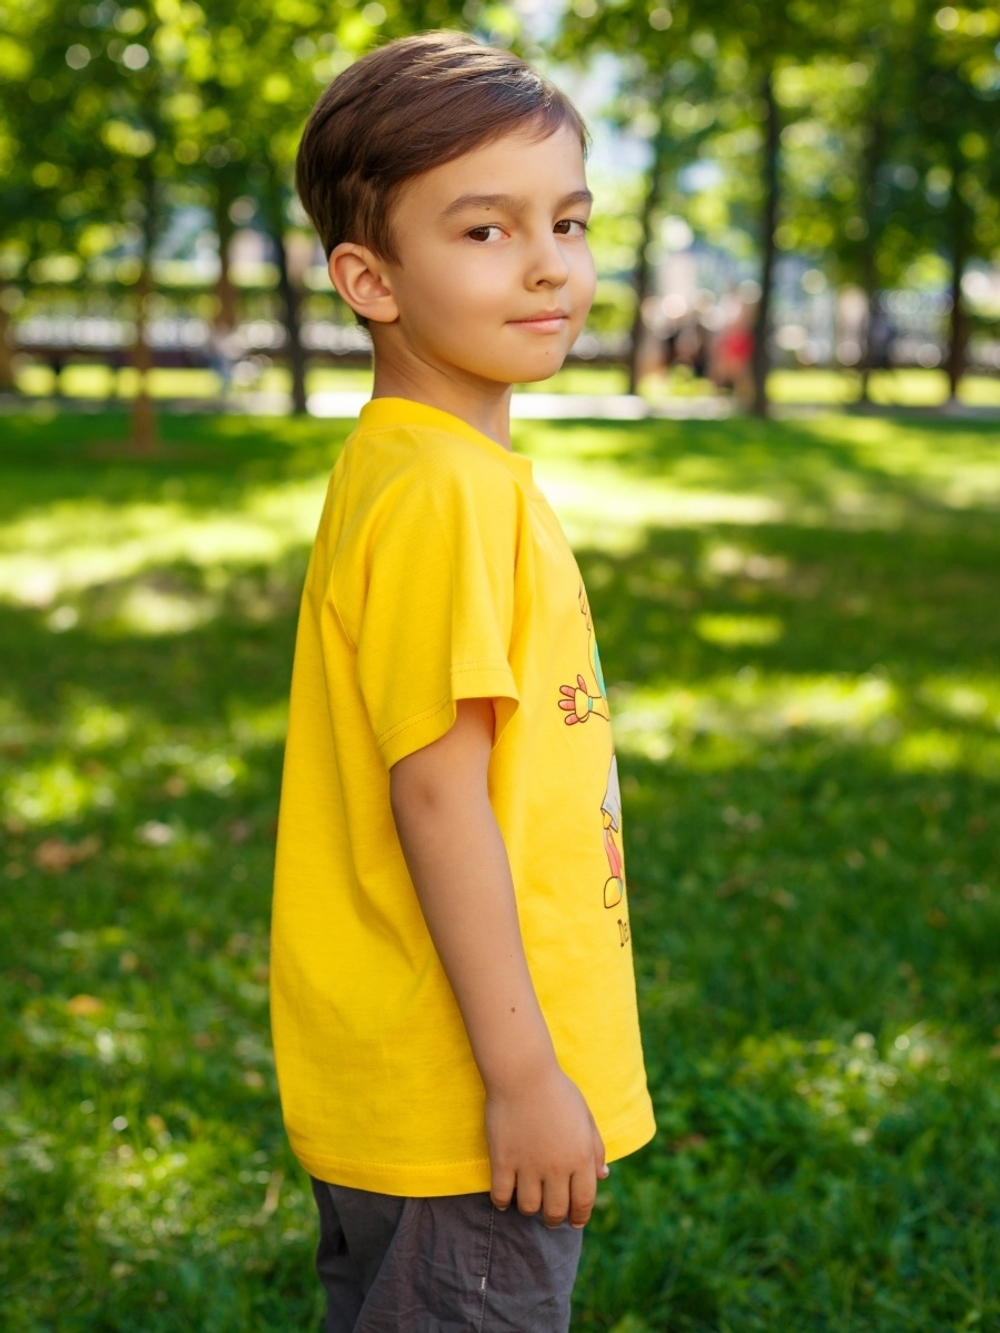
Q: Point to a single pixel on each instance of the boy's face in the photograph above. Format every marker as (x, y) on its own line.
(495, 276)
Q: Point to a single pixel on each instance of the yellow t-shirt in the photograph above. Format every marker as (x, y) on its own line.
(440, 573)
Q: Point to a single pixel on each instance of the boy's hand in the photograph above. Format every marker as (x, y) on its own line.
(544, 1144)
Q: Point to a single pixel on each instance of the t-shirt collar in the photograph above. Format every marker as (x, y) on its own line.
(380, 413)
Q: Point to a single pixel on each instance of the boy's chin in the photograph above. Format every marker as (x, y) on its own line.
(529, 371)
(539, 378)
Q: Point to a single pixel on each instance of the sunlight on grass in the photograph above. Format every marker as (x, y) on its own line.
(736, 631)
(731, 718)
(62, 549)
(971, 698)
(99, 381)
(150, 610)
(909, 388)
(906, 388)
(980, 391)
(596, 480)
(958, 467)
(899, 388)
(858, 472)
(598, 507)
(134, 746)
(813, 386)
(46, 793)
(93, 724)
(749, 710)
(939, 751)
(850, 1085)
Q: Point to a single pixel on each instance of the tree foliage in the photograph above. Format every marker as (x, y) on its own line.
(860, 136)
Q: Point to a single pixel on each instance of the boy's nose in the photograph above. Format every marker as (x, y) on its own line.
(547, 265)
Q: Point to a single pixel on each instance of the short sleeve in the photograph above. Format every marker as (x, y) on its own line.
(436, 621)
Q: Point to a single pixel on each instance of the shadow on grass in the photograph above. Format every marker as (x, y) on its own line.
(891, 469)
(203, 462)
(803, 463)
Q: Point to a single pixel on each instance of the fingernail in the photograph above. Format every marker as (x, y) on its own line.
(605, 1173)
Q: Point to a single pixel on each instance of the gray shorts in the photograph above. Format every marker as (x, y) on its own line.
(447, 1265)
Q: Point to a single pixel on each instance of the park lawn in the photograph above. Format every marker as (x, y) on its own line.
(800, 623)
(790, 388)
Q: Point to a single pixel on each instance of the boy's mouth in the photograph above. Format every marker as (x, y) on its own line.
(546, 321)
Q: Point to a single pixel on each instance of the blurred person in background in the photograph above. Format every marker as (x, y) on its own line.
(730, 358)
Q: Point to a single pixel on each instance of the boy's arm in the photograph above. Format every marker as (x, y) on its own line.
(542, 1138)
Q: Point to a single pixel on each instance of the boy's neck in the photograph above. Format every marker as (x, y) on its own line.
(483, 405)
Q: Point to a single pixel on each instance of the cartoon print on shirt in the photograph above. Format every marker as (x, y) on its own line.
(580, 706)
(611, 809)
(579, 703)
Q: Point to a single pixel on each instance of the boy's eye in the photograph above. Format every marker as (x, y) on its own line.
(571, 227)
(483, 234)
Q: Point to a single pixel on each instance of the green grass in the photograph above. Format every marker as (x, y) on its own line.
(800, 621)
(830, 388)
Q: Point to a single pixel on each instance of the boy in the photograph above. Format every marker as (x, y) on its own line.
(453, 999)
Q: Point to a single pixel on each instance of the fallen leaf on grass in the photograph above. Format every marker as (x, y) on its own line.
(273, 1193)
(23, 977)
(688, 1141)
(735, 884)
(55, 857)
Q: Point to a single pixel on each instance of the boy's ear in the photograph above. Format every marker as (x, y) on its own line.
(359, 277)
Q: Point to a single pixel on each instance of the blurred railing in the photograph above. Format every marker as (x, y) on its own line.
(191, 342)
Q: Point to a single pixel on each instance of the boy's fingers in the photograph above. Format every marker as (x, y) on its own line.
(583, 1192)
(600, 1165)
(529, 1196)
(555, 1202)
(502, 1188)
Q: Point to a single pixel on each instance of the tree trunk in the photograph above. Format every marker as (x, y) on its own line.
(225, 292)
(642, 279)
(290, 298)
(143, 410)
(958, 332)
(224, 320)
(769, 222)
(873, 314)
(869, 266)
(6, 350)
(291, 302)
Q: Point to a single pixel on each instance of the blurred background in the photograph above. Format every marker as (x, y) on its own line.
(794, 201)
(775, 451)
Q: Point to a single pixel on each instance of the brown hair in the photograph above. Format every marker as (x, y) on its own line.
(403, 109)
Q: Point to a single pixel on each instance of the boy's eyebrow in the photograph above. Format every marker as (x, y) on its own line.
(510, 203)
